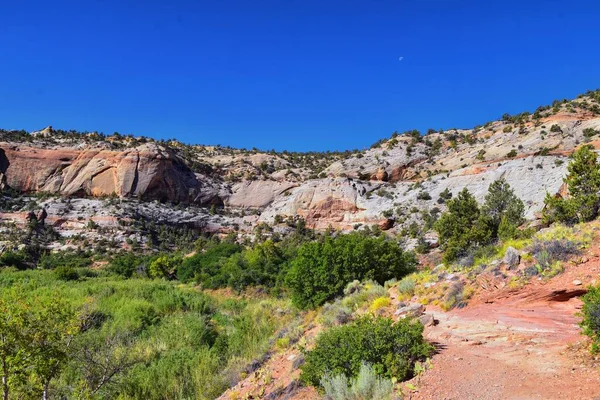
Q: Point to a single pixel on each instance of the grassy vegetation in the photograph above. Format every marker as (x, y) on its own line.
(154, 338)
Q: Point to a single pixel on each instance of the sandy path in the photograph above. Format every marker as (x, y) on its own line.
(523, 345)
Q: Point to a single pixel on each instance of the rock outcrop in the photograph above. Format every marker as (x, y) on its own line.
(147, 172)
(389, 185)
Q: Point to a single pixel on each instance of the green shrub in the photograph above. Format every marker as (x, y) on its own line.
(392, 348)
(423, 196)
(13, 259)
(206, 263)
(66, 273)
(367, 385)
(503, 209)
(73, 259)
(164, 267)
(406, 287)
(445, 195)
(511, 154)
(591, 317)
(335, 314)
(126, 265)
(461, 228)
(322, 269)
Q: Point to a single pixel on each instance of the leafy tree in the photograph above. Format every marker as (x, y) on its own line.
(71, 259)
(392, 348)
(260, 266)
(164, 267)
(583, 181)
(322, 269)
(51, 332)
(11, 339)
(66, 273)
(35, 337)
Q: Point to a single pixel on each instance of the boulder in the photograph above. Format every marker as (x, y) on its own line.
(410, 310)
(511, 257)
(427, 320)
(380, 175)
(386, 224)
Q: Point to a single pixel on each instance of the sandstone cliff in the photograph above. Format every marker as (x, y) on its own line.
(382, 185)
(148, 172)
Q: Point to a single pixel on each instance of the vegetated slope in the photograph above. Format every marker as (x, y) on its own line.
(513, 337)
(394, 184)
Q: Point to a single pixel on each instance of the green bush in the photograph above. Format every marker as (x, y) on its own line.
(164, 267)
(423, 196)
(322, 269)
(504, 211)
(126, 265)
(555, 128)
(13, 259)
(591, 317)
(392, 348)
(66, 273)
(206, 263)
(229, 265)
(72, 259)
(406, 287)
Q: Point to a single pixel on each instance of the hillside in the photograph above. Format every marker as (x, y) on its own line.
(457, 264)
(225, 190)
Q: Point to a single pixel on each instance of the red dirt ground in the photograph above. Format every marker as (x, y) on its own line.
(515, 344)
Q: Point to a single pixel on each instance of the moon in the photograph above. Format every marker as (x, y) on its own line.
(400, 58)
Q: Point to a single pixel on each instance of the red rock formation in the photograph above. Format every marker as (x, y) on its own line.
(148, 171)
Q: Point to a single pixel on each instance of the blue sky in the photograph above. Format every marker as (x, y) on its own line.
(288, 74)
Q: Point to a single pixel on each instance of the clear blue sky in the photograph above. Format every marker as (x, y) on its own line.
(288, 74)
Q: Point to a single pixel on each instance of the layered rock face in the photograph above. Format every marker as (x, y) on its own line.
(146, 172)
(389, 185)
(345, 202)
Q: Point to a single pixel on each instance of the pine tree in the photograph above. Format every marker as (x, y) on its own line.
(583, 181)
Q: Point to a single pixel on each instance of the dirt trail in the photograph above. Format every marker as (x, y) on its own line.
(523, 344)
